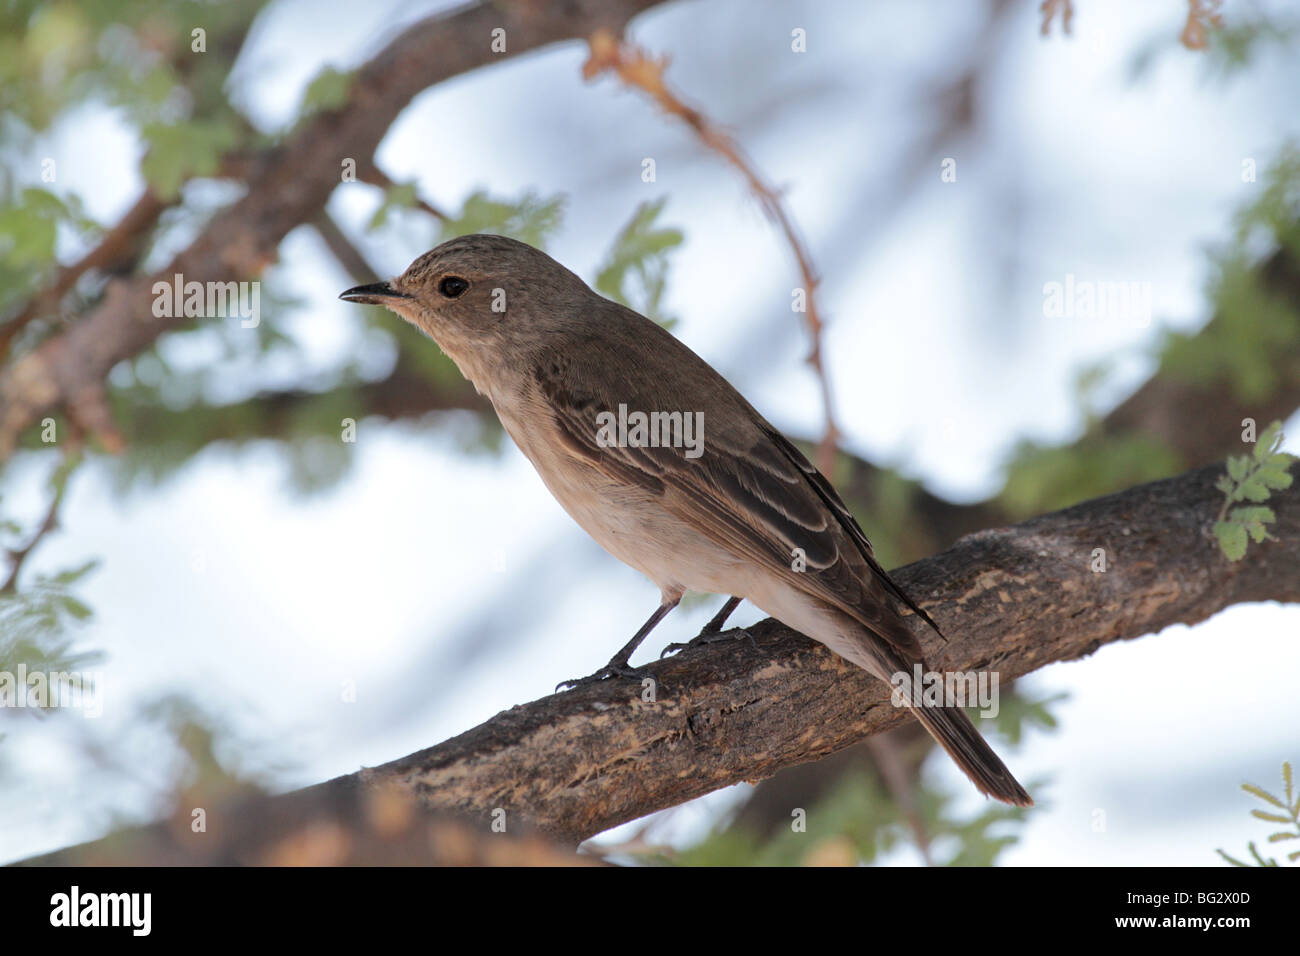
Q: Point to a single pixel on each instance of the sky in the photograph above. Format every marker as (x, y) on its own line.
(446, 586)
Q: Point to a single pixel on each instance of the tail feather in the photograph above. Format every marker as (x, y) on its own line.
(955, 733)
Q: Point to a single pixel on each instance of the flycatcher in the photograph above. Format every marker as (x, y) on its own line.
(661, 461)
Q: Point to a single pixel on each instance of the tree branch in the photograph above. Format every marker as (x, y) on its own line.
(289, 184)
(375, 827)
(1015, 599)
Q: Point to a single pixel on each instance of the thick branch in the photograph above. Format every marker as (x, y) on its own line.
(375, 827)
(1012, 599)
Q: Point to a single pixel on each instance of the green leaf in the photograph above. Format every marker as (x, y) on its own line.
(1231, 859)
(1253, 519)
(180, 151)
(1265, 796)
(635, 270)
(72, 575)
(1270, 817)
(396, 196)
(529, 219)
(327, 91)
(1232, 539)
(75, 608)
(1275, 476)
(1252, 489)
(1269, 442)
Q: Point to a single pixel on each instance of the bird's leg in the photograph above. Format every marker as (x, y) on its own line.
(719, 619)
(618, 664)
(709, 634)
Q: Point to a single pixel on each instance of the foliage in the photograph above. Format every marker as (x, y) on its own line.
(1251, 478)
(1289, 804)
(640, 254)
(40, 618)
(529, 219)
(1245, 346)
(328, 91)
(1254, 324)
(1043, 477)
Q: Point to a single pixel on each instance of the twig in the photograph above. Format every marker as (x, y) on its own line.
(1048, 9)
(1203, 16)
(639, 70)
(116, 250)
(900, 781)
(48, 524)
(292, 182)
(345, 253)
(368, 172)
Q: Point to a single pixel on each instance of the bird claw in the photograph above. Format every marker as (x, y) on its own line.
(608, 672)
(710, 636)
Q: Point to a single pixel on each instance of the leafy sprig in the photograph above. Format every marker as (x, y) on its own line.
(1289, 803)
(1251, 478)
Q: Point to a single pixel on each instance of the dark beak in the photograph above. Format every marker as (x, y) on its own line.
(377, 293)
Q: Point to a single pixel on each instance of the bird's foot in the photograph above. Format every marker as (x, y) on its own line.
(611, 671)
(711, 635)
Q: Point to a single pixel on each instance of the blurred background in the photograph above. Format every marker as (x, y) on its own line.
(267, 605)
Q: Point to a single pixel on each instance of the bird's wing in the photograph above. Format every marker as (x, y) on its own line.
(754, 494)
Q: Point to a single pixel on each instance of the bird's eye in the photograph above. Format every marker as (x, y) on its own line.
(452, 286)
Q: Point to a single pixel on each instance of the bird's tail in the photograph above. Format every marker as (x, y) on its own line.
(955, 733)
(948, 725)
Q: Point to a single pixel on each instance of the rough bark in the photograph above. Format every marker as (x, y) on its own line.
(1012, 600)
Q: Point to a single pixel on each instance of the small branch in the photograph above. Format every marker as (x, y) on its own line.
(639, 70)
(900, 780)
(288, 185)
(368, 172)
(1203, 17)
(117, 249)
(1049, 8)
(345, 253)
(48, 524)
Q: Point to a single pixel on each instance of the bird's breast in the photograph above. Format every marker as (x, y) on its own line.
(627, 520)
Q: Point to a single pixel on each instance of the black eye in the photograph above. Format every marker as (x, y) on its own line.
(452, 286)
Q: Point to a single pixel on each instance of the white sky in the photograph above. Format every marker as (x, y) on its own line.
(226, 586)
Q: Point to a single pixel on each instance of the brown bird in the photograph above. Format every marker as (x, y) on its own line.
(661, 461)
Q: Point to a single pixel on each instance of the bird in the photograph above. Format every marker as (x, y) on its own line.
(736, 509)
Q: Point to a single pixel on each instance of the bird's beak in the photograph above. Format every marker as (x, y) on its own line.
(377, 293)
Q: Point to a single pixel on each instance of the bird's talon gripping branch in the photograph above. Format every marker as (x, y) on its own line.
(706, 637)
(608, 672)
